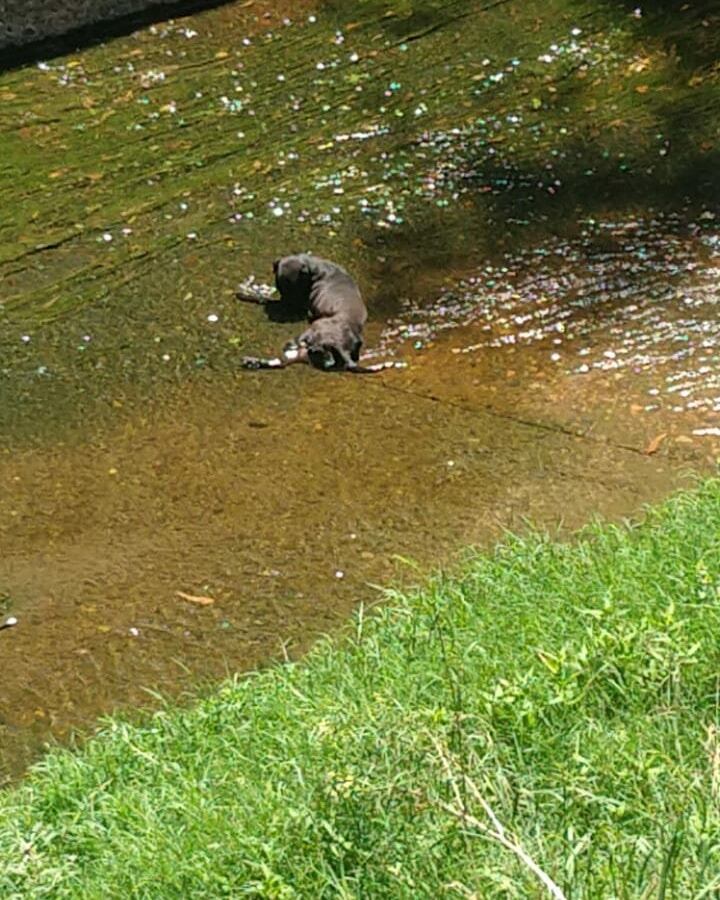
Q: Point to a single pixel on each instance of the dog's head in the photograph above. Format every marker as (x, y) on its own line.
(318, 351)
(329, 343)
(293, 271)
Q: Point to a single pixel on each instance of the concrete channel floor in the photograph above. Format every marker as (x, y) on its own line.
(140, 467)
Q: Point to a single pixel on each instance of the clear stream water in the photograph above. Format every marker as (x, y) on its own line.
(527, 195)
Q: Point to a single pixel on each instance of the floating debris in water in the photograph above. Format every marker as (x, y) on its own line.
(197, 599)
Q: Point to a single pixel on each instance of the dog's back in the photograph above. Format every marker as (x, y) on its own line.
(323, 287)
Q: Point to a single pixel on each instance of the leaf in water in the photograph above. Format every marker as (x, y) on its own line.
(192, 598)
(655, 443)
(639, 64)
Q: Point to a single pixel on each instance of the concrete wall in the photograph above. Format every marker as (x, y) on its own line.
(22, 21)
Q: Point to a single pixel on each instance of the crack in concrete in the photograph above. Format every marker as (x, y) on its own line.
(518, 420)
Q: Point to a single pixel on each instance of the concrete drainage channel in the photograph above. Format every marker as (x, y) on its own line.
(166, 518)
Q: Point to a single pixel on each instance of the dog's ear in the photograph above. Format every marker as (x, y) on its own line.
(276, 264)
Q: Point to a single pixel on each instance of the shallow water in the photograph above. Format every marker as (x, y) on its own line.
(533, 232)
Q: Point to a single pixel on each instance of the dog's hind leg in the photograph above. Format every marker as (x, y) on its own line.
(258, 362)
(359, 369)
(292, 353)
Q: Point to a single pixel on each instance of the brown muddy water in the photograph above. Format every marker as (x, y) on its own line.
(527, 195)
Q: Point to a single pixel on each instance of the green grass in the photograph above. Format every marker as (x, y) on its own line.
(571, 690)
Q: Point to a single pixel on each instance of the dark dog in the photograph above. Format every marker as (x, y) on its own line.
(331, 300)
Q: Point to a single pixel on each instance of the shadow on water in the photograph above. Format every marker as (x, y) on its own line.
(529, 224)
(520, 183)
(689, 30)
(409, 19)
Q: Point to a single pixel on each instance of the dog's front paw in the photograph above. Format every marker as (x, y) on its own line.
(256, 362)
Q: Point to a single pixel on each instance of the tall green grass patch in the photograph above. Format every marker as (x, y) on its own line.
(549, 709)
